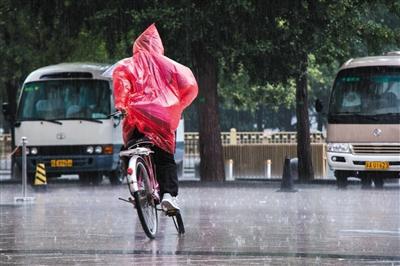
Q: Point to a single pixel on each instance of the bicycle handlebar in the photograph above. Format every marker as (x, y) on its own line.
(117, 114)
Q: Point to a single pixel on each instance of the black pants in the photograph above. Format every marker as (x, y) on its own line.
(166, 169)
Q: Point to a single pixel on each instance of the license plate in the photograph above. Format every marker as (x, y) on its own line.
(377, 165)
(61, 163)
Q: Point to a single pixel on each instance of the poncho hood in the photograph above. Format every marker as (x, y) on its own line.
(149, 41)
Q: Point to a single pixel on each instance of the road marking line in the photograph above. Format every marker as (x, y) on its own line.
(372, 231)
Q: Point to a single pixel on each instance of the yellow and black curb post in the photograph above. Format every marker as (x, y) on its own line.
(40, 176)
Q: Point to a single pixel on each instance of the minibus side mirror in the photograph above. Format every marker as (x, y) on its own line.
(6, 111)
(318, 106)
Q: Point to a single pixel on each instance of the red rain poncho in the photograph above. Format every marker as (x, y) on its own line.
(153, 89)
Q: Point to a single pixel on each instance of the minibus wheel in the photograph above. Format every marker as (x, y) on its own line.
(84, 179)
(116, 177)
(97, 178)
(341, 179)
(94, 178)
(366, 181)
(378, 181)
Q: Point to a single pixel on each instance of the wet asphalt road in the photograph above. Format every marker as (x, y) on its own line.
(240, 223)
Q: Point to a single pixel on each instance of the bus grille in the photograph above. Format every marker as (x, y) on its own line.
(376, 149)
(61, 150)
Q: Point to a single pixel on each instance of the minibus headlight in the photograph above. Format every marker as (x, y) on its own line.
(339, 147)
(89, 149)
(98, 149)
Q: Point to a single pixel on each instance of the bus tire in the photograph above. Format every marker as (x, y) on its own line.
(341, 179)
(94, 178)
(117, 176)
(97, 178)
(378, 182)
(366, 181)
(84, 178)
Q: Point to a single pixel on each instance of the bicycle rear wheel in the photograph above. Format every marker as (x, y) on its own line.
(144, 202)
(178, 221)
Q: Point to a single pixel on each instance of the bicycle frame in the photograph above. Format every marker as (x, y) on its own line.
(140, 156)
(152, 189)
(144, 153)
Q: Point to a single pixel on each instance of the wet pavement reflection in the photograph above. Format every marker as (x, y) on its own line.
(229, 224)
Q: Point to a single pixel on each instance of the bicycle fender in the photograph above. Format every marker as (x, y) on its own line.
(132, 178)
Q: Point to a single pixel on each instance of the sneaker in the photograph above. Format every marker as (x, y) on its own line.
(169, 203)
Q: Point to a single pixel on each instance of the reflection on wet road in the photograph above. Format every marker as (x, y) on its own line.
(231, 224)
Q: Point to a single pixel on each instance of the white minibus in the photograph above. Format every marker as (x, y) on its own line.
(63, 111)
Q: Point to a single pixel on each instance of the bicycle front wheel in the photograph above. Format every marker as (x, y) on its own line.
(144, 201)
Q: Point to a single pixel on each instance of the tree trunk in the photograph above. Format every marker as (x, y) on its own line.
(211, 157)
(305, 167)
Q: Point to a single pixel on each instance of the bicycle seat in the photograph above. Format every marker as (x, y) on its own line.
(139, 142)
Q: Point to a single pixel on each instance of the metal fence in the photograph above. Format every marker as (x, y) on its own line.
(233, 137)
(250, 152)
(250, 160)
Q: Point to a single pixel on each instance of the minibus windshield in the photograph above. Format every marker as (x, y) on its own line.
(65, 99)
(366, 92)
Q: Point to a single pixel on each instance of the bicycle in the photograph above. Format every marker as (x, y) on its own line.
(143, 186)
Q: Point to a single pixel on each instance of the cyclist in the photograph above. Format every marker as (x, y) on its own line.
(152, 90)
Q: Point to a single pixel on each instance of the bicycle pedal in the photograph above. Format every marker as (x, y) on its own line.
(129, 200)
(171, 213)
